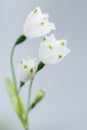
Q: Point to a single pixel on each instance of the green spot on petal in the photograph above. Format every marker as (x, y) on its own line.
(45, 18)
(31, 70)
(25, 66)
(59, 56)
(35, 11)
(62, 43)
(50, 47)
(42, 23)
(44, 39)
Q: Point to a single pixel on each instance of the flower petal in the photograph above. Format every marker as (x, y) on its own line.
(51, 51)
(27, 69)
(37, 24)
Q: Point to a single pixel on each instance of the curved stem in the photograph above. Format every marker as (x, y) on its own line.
(20, 39)
(12, 66)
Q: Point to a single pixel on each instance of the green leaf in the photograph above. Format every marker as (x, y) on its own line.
(17, 103)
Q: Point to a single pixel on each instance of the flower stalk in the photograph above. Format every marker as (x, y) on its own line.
(21, 39)
(39, 67)
(12, 65)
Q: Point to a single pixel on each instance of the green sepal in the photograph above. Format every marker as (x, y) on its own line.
(40, 66)
(22, 83)
(33, 105)
(17, 103)
(20, 39)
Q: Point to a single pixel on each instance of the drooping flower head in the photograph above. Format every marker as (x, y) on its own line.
(37, 24)
(27, 69)
(52, 51)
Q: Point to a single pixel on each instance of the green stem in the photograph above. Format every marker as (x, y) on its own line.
(29, 95)
(29, 98)
(20, 39)
(12, 66)
(19, 90)
(26, 129)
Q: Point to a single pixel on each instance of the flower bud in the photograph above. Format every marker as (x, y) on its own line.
(27, 69)
(39, 96)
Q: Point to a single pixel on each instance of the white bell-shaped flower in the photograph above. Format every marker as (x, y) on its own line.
(52, 51)
(27, 69)
(37, 24)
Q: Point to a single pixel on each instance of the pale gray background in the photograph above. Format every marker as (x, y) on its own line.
(65, 104)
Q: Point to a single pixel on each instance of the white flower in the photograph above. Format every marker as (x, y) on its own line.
(52, 51)
(37, 24)
(27, 69)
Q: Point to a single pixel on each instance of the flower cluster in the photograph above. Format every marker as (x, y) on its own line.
(51, 50)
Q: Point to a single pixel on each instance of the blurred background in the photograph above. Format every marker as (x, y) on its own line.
(65, 104)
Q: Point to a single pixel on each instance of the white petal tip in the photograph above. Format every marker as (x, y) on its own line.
(53, 26)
